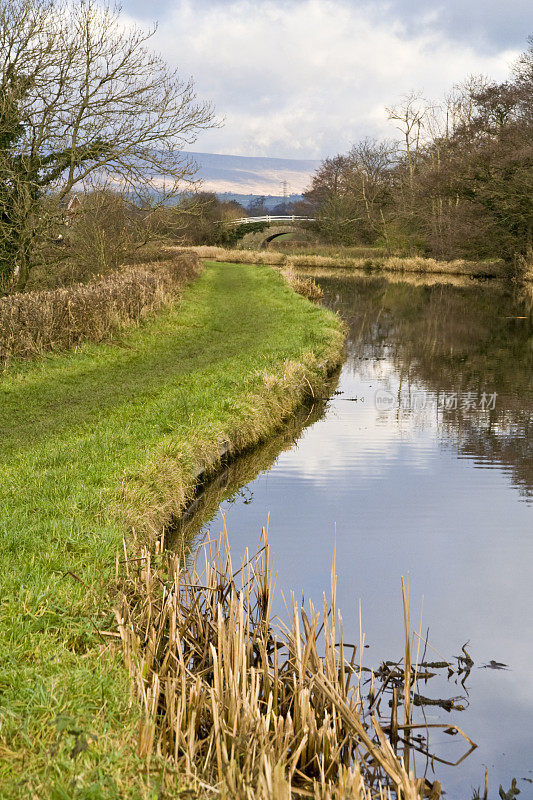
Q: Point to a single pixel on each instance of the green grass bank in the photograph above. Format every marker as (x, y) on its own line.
(103, 443)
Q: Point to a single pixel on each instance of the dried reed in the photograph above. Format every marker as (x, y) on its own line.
(241, 705)
(415, 264)
(525, 266)
(306, 286)
(36, 322)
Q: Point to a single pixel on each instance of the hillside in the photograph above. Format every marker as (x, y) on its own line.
(247, 175)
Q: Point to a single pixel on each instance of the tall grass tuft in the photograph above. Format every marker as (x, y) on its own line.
(240, 705)
(305, 286)
(35, 322)
(525, 266)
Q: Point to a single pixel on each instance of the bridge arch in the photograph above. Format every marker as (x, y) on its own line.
(258, 240)
(274, 233)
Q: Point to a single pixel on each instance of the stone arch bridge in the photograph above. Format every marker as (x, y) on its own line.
(275, 226)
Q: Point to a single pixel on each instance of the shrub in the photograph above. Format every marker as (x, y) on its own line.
(105, 231)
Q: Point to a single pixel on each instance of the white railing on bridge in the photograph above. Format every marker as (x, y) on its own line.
(269, 218)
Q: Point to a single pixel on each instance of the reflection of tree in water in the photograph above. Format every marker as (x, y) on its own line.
(508, 445)
(477, 337)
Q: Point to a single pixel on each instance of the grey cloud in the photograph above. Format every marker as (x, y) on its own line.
(491, 24)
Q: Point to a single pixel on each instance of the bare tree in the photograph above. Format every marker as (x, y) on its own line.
(409, 116)
(369, 181)
(87, 99)
(460, 103)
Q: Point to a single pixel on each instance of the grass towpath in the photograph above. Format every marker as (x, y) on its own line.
(93, 443)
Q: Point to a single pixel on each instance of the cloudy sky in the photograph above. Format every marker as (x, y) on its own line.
(306, 78)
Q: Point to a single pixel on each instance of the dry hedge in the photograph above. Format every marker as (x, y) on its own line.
(41, 321)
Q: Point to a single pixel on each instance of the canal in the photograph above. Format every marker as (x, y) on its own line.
(419, 464)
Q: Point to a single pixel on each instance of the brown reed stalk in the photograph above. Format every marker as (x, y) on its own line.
(407, 665)
(240, 703)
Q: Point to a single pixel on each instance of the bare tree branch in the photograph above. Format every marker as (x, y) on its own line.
(92, 100)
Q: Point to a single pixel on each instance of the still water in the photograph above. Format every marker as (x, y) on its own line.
(418, 465)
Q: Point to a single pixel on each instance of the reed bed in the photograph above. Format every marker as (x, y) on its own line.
(308, 287)
(525, 266)
(293, 247)
(36, 322)
(214, 253)
(416, 264)
(238, 704)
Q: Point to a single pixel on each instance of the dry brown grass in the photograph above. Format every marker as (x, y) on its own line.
(415, 264)
(455, 267)
(36, 322)
(237, 256)
(290, 246)
(525, 266)
(307, 287)
(239, 705)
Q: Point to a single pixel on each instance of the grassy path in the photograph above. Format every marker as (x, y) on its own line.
(94, 442)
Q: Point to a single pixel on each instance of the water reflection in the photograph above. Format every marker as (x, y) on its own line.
(234, 483)
(457, 346)
(440, 492)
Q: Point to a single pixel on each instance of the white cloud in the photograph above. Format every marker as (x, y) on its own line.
(361, 441)
(306, 79)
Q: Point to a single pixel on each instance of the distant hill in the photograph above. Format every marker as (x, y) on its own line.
(247, 175)
(270, 201)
